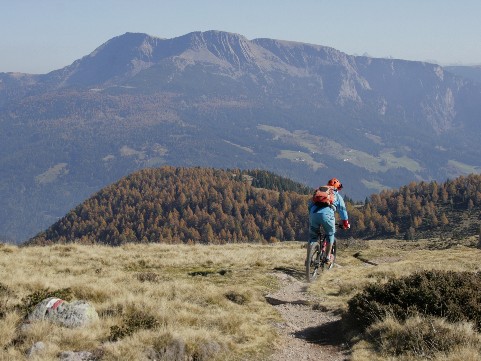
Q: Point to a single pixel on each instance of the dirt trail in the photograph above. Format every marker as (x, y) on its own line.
(306, 333)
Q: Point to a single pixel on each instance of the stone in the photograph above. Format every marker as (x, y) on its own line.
(68, 314)
(36, 349)
(76, 356)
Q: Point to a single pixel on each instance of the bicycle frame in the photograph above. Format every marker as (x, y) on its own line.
(315, 260)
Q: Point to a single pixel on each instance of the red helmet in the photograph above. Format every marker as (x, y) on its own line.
(334, 182)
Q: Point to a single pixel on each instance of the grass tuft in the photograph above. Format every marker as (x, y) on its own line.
(133, 321)
(423, 337)
(236, 297)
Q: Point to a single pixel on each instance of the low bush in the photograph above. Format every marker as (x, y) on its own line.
(455, 296)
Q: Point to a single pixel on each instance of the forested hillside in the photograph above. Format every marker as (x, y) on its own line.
(449, 209)
(175, 205)
(205, 205)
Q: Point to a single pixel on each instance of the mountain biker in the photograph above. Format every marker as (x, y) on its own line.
(324, 216)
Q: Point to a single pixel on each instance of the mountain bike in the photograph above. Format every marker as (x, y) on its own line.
(316, 252)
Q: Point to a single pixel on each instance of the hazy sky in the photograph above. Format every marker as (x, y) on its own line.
(38, 36)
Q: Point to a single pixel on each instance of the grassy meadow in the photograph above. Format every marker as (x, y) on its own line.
(194, 302)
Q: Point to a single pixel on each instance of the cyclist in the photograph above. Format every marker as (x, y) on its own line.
(324, 216)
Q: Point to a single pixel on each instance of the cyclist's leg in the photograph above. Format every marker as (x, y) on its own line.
(315, 221)
(328, 222)
(314, 226)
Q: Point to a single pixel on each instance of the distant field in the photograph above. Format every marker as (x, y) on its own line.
(374, 185)
(300, 157)
(206, 302)
(458, 167)
(317, 146)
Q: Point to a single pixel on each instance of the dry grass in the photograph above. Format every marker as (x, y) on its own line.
(158, 301)
(176, 302)
(424, 337)
(380, 261)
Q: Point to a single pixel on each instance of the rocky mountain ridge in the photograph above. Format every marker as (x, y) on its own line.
(220, 100)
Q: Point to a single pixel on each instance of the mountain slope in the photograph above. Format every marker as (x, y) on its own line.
(469, 72)
(217, 99)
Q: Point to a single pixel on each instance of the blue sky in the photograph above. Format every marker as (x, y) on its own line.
(38, 36)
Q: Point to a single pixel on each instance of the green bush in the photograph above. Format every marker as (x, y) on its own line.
(455, 296)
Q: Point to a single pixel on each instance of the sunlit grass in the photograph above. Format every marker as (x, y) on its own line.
(208, 302)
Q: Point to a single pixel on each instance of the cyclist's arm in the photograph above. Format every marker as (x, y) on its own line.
(341, 207)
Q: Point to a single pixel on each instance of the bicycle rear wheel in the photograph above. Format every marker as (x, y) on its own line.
(312, 261)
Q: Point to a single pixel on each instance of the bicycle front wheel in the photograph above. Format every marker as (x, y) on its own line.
(312, 261)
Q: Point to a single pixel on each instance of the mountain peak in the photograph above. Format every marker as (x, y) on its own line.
(126, 54)
(220, 47)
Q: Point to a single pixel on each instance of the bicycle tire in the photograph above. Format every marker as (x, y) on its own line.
(312, 261)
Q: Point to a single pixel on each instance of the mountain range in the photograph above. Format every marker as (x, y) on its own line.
(216, 99)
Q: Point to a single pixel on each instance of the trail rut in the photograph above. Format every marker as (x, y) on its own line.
(307, 332)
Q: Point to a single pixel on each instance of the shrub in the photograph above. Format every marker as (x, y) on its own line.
(453, 295)
(166, 347)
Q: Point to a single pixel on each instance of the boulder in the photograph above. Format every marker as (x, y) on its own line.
(76, 356)
(68, 314)
(36, 349)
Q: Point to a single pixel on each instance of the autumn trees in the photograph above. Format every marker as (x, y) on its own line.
(204, 205)
(180, 205)
(418, 206)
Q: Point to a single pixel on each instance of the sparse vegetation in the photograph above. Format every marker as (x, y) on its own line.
(177, 302)
(166, 302)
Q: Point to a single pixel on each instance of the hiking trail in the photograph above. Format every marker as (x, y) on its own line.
(306, 332)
